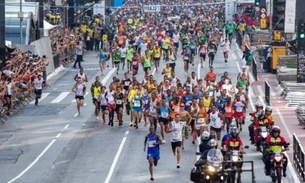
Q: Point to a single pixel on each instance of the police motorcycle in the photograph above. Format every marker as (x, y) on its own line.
(209, 170)
(234, 163)
(277, 164)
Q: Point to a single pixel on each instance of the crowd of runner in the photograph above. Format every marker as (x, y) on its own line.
(185, 108)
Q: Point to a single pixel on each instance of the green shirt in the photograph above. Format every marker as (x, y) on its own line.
(117, 56)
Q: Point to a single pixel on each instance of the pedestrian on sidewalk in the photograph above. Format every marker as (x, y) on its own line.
(79, 55)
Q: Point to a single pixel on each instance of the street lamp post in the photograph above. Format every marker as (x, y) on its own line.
(20, 15)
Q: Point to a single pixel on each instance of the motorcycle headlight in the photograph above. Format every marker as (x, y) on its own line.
(264, 134)
(277, 158)
(211, 169)
(234, 158)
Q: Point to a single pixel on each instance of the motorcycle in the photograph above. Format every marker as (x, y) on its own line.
(210, 170)
(277, 165)
(235, 165)
(260, 145)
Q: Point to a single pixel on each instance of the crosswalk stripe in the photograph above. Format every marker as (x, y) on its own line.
(43, 96)
(84, 97)
(60, 97)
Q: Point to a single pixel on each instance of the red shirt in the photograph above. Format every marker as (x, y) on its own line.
(266, 121)
(135, 61)
(234, 143)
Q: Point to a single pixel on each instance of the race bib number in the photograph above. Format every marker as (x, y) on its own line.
(188, 103)
(137, 103)
(185, 58)
(200, 120)
(151, 143)
(134, 63)
(228, 109)
(203, 51)
(152, 110)
(164, 114)
(127, 83)
(176, 109)
(119, 102)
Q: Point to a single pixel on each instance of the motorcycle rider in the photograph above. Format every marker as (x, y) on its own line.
(234, 142)
(268, 113)
(213, 145)
(204, 145)
(228, 135)
(275, 142)
(261, 121)
(258, 109)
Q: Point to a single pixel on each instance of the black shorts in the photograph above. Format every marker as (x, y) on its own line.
(117, 62)
(8, 96)
(79, 97)
(203, 56)
(118, 107)
(156, 59)
(164, 121)
(215, 129)
(38, 92)
(146, 68)
(135, 68)
(192, 123)
(176, 45)
(212, 55)
(104, 108)
(176, 144)
(166, 50)
(123, 59)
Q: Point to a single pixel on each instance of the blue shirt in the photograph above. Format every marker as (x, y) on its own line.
(102, 57)
(152, 149)
(225, 137)
(187, 100)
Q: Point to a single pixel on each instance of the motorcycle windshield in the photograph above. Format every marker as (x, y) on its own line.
(215, 156)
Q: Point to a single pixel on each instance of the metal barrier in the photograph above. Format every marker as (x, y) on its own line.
(298, 157)
(254, 69)
(267, 93)
(65, 56)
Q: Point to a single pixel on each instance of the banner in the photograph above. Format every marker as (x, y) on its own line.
(151, 8)
(229, 9)
(290, 16)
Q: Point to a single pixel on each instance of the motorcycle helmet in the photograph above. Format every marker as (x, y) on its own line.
(259, 105)
(260, 114)
(268, 108)
(212, 143)
(205, 136)
(234, 132)
(275, 129)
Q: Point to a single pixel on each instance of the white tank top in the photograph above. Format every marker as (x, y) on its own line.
(103, 99)
(242, 97)
(176, 135)
(38, 84)
(82, 76)
(79, 90)
(217, 94)
(164, 89)
(239, 106)
(194, 81)
(174, 81)
(152, 109)
(9, 89)
(215, 121)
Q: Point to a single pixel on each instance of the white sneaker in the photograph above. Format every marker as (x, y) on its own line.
(163, 141)
(97, 118)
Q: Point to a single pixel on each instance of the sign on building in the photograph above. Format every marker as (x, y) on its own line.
(151, 8)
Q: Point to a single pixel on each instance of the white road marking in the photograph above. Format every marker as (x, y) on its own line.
(116, 158)
(198, 71)
(58, 136)
(198, 150)
(154, 71)
(84, 97)
(66, 127)
(127, 132)
(60, 97)
(43, 96)
(108, 76)
(33, 163)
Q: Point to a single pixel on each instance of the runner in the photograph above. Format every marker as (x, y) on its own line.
(176, 128)
(95, 91)
(38, 84)
(81, 75)
(164, 119)
(186, 119)
(152, 141)
(79, 88)
(104, 104)
(226, 47)
(103, 57)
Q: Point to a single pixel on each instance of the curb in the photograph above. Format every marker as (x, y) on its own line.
(55, 72)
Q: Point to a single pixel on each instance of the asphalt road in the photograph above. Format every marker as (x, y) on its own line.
(48, 144)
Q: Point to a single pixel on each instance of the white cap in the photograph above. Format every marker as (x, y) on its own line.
(244, 67)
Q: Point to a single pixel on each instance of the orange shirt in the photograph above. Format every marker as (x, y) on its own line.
(175, 110)
(229, 110)
(210, 75)
(120, 40)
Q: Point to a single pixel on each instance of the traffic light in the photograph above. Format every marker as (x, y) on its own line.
(278, 17)
(257, 2)
(301, 30)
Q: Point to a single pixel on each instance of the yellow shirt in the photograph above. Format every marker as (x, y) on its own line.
(271, 117)
(132, 93)
(105, 37)
(83, 28)
(90, 32)
(206, 102)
